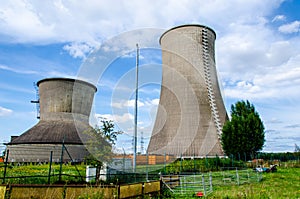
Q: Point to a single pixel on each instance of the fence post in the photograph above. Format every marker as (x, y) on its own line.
(74, 163)
(248, 175)
(210, 182)
(50, 164)
(206, 163)
(203, 184)
(165, 163)
(180, 163)
(119, 191)
(5, 165)
(237, 176)
(147, 164)
(194, 162)
(61, 159)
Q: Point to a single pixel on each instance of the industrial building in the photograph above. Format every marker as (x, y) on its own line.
(189, 119)
(191, 111)
(65, 106)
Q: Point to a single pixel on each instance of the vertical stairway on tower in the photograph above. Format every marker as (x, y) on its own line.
(211, 96)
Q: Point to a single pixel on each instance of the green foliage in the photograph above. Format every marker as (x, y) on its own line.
(107, 131)
(100, 142)
(244, 133)
(100, 150)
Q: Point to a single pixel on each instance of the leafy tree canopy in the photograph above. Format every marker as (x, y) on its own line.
(243, 135)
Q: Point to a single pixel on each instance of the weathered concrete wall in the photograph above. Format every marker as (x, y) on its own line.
(65, 106)
(62, 98)
(191, 111)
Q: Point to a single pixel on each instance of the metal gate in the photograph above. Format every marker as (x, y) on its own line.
(188, 184)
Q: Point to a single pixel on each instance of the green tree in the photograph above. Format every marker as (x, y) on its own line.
(100, 143)
(243, 135)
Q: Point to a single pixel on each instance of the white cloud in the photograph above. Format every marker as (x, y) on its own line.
(21, 20)
(45, 21)
(126, 117)
(5, 112)
(131, 103)
(20, 71)
(279, 18)
(79, 50)
(145, 103)
(280, 82)
(127, 104)
(155, 102)
(292, 27)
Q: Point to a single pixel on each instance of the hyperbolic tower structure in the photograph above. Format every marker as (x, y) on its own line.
(191, 111)
(65, 106)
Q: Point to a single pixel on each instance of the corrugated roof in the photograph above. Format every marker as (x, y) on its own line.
(54, 132)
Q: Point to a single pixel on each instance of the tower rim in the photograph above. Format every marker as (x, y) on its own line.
(66, 79)
(185, 25)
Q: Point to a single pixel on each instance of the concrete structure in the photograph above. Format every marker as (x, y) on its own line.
(191, 112)
(65, 106)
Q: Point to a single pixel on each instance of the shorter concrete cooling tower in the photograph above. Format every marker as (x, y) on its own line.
(65, 106)
(191, 111)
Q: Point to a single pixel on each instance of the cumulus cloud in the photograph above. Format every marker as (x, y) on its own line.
(5, 111)
(79, 50)
(292, 27)
(78, 21)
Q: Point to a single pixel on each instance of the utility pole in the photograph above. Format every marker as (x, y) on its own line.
(136, 107)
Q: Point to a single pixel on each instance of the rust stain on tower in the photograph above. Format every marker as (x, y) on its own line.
(191, 111)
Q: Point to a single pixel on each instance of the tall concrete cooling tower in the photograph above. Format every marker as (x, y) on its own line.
(65, 106)
(191, 111)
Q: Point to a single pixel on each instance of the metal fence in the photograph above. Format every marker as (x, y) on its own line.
(202, 184)
(150, 168)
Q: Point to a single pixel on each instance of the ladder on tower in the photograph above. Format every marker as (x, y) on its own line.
(37, 101)
(208, 82)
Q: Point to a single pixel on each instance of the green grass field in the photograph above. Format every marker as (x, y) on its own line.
(285, 183)
(38, 174)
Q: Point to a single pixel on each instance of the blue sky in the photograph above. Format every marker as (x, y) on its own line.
(257, 57)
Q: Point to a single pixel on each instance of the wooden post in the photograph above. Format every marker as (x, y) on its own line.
(5, 165)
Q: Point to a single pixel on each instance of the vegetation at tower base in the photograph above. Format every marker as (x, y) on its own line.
(100, 144)
(244, 133)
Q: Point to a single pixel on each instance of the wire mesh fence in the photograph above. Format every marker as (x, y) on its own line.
(189, 184)
(225, 170)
